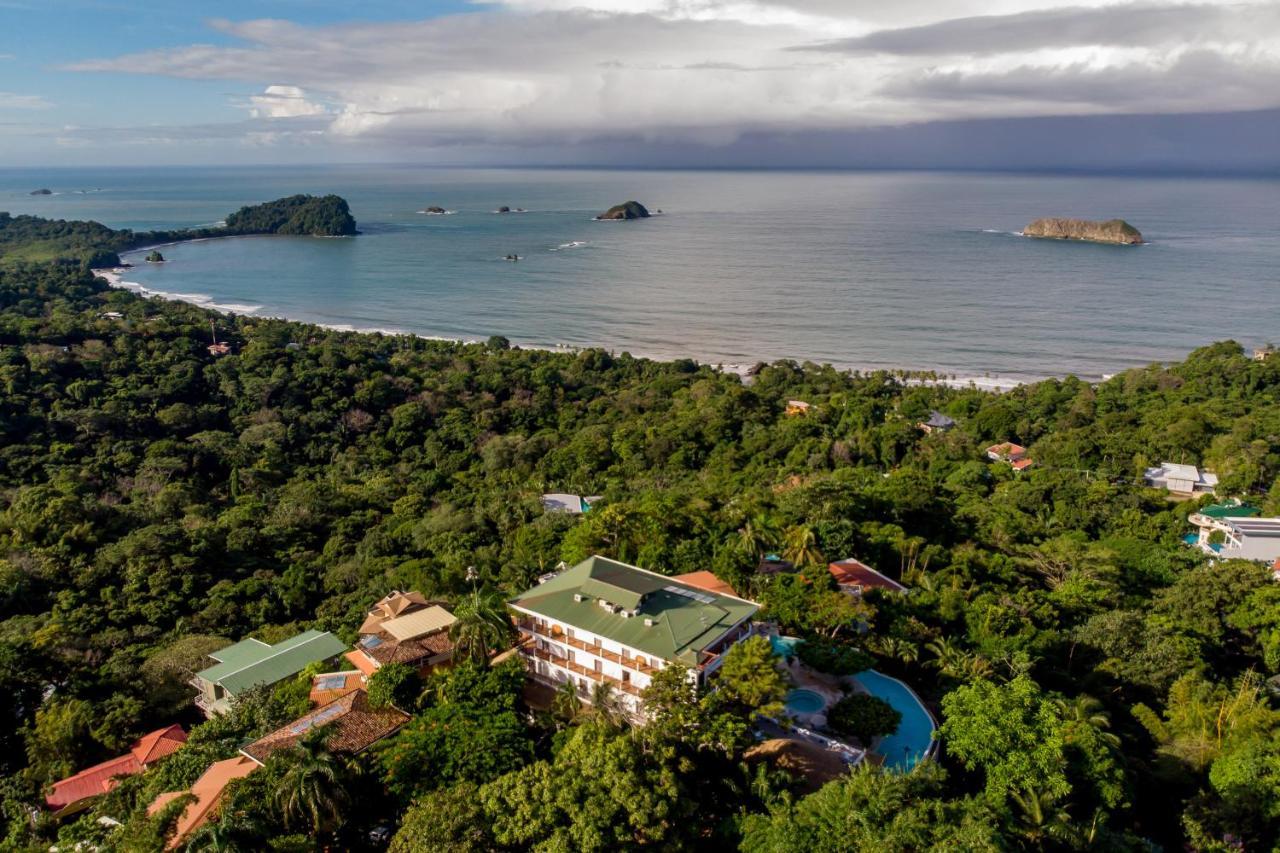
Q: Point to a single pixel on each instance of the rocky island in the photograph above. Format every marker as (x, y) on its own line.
(41, 191)
(1111, 231)
(626, 210)
(155, 257)
(434, 210)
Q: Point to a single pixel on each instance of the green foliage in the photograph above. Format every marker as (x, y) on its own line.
(749, 680)
(317, 216)
(864, 717)
(837, 658)
(396, 685)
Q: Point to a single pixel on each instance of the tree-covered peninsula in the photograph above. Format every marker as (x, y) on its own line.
(92, 244)
(1098, 684)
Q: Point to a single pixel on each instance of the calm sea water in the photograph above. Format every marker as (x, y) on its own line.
(914, 270)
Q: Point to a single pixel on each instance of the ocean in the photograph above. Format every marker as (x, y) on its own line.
(864, 270)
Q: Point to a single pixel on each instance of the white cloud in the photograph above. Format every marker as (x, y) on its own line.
(14, 101)
(708, 71)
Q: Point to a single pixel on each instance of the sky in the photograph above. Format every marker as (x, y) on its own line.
(860, 83)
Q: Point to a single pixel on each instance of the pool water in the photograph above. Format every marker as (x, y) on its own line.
(802, 701)
(914, 737)
(785, 646)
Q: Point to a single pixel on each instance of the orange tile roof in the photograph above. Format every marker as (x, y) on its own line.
(706, 580)
(333, 685)
(208, 791)
(361, 662)
(855, 573)
(100, 778)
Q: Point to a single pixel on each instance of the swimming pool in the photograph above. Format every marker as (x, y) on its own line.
(785, 646)
(914, 737)
(804, 701)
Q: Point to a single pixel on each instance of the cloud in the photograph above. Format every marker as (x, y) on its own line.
(13, 101)
(1140, 25)
(708, 72)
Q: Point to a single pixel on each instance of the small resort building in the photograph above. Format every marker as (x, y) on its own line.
(404, 627)
(856, 577)
(606, 622)
(705, 580)
(937, 422)
(252, 663)
(75, 793)
(350, 723)
(797, 407)
(572, 504)
(1243, 538)
(207, 790)
(1014, 455)
(1181, 480)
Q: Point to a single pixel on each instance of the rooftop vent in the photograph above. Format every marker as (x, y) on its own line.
(648, 622)
(577, 596)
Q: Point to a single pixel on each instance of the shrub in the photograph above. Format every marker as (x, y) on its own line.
(863, 717)
(830, 656)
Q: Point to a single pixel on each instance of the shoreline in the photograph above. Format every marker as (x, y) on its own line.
(115, 277)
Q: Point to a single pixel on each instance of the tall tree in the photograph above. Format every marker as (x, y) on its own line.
(483, 625)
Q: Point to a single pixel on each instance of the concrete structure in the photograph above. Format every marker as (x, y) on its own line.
(252, 663)
(1181, 480)
(572, 504)
(605, 622)
(1244, 538)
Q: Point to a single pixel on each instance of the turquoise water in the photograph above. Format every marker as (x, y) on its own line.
(904, 748)
(803, 701)
(784, 646)
(861, 269)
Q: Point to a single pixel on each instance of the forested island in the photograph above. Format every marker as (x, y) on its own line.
(32, 238)
(1099, 684)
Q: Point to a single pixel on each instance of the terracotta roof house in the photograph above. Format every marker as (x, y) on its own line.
(602, 621)
(1181, 480)
(252, 663)
(74, 793)
(705, 580)
(855, 577)
(328, 686)
(207, 790)
(797, 407)
(350, 723)
(403, 628)
(937, 422)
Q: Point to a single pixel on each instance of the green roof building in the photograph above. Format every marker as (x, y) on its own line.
(602, 621)
(252, 663)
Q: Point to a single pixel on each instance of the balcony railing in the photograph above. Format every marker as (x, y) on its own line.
(565, 663)
(529, 626)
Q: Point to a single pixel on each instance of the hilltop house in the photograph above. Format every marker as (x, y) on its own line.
(1244, 538)
(607, 622)
(1181, 480)
(1014, 455)
(855, 577)
(937, 422)
(74, 793)
(404, 627)
(352, 725)
(572, 504)
(797, 407)
(252, 663)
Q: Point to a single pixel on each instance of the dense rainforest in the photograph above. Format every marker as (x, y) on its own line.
(1100, 686)
(32, 238)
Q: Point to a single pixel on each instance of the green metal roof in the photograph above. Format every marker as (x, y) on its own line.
(686, 619)
(1229, 510)
(250, 663)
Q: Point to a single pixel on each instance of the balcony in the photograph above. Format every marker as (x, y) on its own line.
(531, 628)
(565, 663)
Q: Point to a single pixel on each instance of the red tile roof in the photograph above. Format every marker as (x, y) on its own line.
(857, 574)
(100, 778)
(207, 791)
(705, 580)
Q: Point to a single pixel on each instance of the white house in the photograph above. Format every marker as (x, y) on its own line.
(1255, 539)
(1181, 479)
(605, 622)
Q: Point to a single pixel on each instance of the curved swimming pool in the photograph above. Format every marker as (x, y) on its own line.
(805, 701)
(914, 737)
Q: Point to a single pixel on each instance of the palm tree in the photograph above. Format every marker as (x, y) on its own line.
(1039, 817)
(1088, 711)
(955, 662)
(311, 791)
(231, 832)
(800, 546)
(606, 705)
(482, 625)
(897, 648)
(758, 535)
(566, 703)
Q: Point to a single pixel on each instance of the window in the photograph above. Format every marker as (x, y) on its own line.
(626, 676)
(596, 642)
(599, 666)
